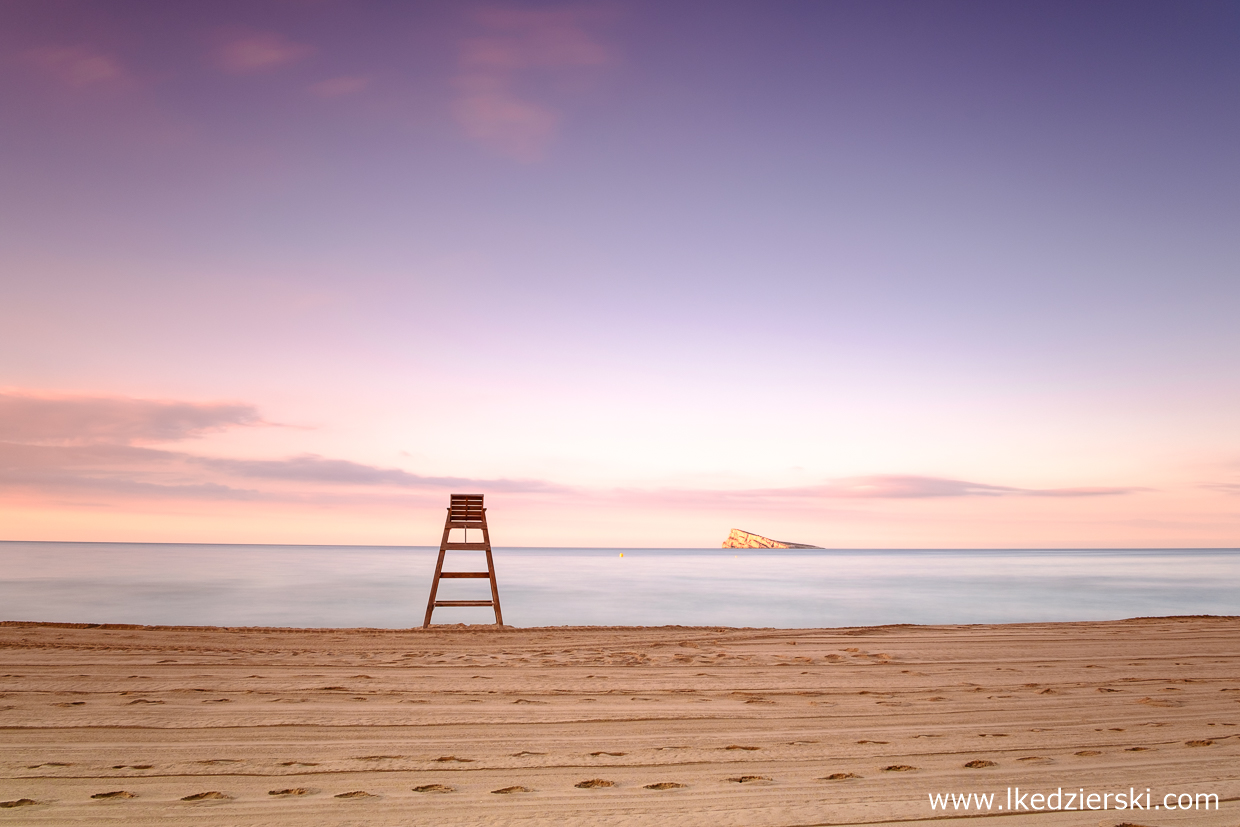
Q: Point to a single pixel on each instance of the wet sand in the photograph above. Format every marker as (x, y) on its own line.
(641, 726)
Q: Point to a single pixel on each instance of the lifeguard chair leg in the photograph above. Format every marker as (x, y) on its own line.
(486, 539)
(443, 548)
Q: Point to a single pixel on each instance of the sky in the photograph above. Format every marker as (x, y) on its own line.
(855, 274)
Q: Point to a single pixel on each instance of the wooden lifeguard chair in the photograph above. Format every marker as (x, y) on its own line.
(465, 511)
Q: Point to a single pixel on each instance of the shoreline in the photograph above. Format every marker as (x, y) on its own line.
(705, 725)
(477, 627)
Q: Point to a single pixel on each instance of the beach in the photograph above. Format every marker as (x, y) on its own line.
(617, 725)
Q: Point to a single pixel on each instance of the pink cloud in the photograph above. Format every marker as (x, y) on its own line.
(258, 52)
(128, 471)
(488, 106)
(311, 468)
(76, 419)
(521, 38)
(60, 449)
(903, 486)
(77, 66)
(339, 87)
(66, 445)
(504, 123)
(1224, 487)
(897, 486)
(871, 487)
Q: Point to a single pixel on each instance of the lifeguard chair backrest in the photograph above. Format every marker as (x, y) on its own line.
(465, 511)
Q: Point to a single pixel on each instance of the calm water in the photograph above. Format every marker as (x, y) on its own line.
(237, 585)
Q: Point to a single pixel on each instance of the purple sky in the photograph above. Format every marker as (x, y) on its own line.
(855, 274)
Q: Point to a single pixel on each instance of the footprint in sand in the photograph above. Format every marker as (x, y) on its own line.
(290, 791)
(1041, 759)
(526, 752)
(898, 768)
(355, 794)
(738, 746)
(664, 785)
(1163, 702)
(432, 788)
(20, 802)
(115, 794)
(748, 779)
(511, 790)
(445, 759)
(979, 763)
(298, 764)
(1137, 749)
(594, 782)
(209, 795)
(872, 742)
(132, 766)
(839, 776)
(50, 764)
(616, 754)
(398, 757)
(143, 701)
(1205, 742)
(71, 703)
(1085, 753)
(221, 761)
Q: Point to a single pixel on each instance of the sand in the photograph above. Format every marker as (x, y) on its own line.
(641, 726)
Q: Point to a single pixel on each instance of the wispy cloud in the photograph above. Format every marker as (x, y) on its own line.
(340, 87)
(897, 486)
(900, 486)
(122, 471)
(872, 487)
(259, 51)
(78, 66)
(1224, 487)
(66, 445)
(49, 418)
(1088, 491)
(312, 468)
(61, 445)
(126, 470)
(489, 107)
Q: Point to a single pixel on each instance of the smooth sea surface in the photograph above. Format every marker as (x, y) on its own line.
(386, 586)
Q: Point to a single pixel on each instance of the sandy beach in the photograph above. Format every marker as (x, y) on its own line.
(643, 726)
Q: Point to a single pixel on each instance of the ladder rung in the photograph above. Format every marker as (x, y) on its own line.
(464, 574)
(466, 547)
(465, 524)
(463, 603)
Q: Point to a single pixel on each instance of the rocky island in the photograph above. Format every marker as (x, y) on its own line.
(746, 539)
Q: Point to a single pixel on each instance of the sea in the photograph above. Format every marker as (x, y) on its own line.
(387, 586)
